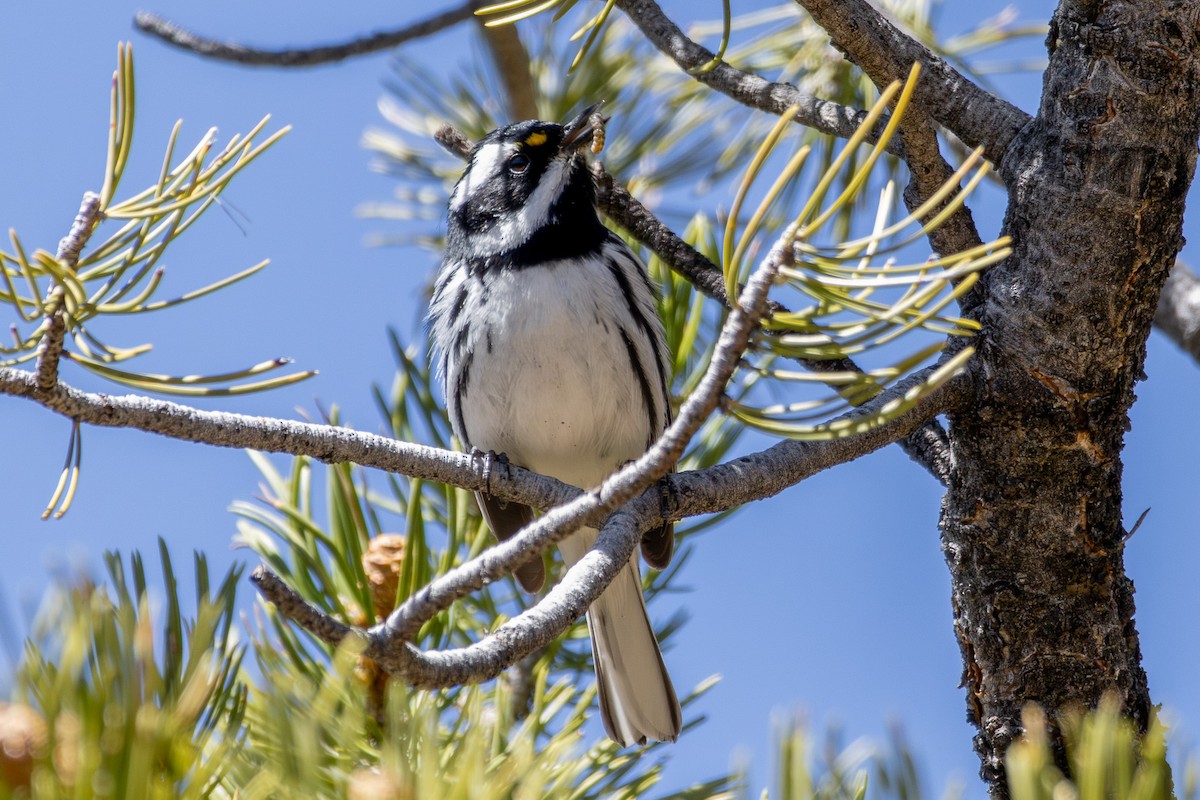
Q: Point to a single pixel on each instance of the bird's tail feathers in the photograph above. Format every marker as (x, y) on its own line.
(637, 699)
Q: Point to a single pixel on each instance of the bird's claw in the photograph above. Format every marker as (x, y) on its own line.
(491, 457)
(666, 497)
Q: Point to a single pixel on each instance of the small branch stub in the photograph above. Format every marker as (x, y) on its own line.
(55, 326)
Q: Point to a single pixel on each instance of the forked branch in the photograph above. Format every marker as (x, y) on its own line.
(743, 480)
(389, 644)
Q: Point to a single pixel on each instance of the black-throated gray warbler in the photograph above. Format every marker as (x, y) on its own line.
(551, 351)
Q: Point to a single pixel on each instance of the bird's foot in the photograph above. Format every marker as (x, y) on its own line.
(490, 459)
(666, 497)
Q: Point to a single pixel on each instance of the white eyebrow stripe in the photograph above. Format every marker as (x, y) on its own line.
(484, 165)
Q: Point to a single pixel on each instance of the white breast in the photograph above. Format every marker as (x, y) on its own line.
(550, 380)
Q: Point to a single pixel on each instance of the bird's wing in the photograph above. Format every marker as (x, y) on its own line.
(505, 519)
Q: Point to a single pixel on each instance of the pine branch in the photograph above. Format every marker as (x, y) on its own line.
(69, 247)
(886, 54)
(173, 34)
(622, 495)
(744, 480)
(327, 443)
(746, 88)
(616, 203)
(929, 172)
(331, 444)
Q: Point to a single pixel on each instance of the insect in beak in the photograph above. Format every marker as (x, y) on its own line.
(579, 130)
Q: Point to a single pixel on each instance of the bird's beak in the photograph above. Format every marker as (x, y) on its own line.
(579, 130)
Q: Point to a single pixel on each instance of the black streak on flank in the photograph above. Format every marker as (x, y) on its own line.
(460, 341)
(460, 300)
(644, 385)
(636, 312)
(460, 391)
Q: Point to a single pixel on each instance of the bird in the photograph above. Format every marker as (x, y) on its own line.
(545, 333)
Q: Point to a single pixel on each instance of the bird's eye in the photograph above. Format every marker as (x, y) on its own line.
(518, 163)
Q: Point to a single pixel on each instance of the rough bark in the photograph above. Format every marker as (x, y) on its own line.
(1032, 526)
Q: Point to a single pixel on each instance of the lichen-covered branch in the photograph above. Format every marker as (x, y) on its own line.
(928, 172)
(626, 211)
(766, 474)
(291, 605)
(743, 480)
(326, 443)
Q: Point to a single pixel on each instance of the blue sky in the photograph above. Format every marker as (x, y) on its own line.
(831, 601)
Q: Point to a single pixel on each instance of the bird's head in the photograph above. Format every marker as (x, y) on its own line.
(523, 178)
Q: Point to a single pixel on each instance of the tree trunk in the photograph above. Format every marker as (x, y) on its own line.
(1032, 527)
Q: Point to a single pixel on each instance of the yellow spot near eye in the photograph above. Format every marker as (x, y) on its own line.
(536, 138)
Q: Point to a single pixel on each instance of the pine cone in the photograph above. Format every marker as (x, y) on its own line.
(23, 737)
(382, 562)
